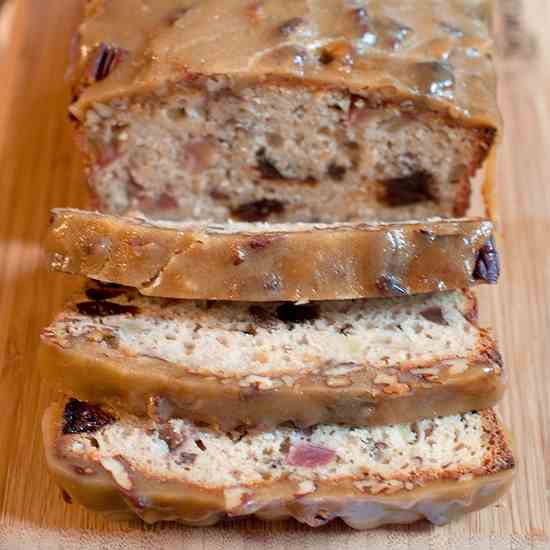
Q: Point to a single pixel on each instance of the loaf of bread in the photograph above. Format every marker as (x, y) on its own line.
(285, 110)
(122, 465)
(231, 364)
(262, 262)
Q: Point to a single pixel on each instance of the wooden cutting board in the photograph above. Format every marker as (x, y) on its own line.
(39, 170)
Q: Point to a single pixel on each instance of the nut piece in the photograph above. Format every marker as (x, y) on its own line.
(305, 488)
(235, 497)
(338, 382)
(117, 470)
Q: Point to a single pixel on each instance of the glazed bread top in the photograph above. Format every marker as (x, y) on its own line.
(269, 262)
(434, 54)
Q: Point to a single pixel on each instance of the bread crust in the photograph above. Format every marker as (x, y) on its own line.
(350, 394)
(153, 500)
(249, 262)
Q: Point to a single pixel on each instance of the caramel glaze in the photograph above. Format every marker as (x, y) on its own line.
(248, 262)
(436, 54)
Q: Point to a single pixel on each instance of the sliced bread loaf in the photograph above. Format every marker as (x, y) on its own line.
(120, 464)
(261, 262)
(286, 110)
(361, 362)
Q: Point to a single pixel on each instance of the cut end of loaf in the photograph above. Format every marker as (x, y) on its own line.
(278, 153)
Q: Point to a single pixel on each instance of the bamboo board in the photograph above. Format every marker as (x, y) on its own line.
(39, 170)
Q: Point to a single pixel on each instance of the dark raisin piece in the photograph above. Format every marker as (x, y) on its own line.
(346, 329)
(186, 458)
(104, 309)
(326, 57)
(291, 313)
(487, 266)
(218, 195)
(261, 315)
(266, 167)
(104, 293)
(336, 172)
(104, 60)
(407, 190)
(434, 315)
(390, 285)
(81, 417)
(200, 444)
(258, 211)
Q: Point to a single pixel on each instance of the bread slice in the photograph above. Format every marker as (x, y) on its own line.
(286, 110)
(123, 465)
(363, 362)
(261, 262)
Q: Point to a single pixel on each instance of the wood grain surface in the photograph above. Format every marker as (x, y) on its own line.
(39, 170)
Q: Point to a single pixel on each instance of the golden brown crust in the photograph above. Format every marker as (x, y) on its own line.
(244, 262)
(90, 484)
